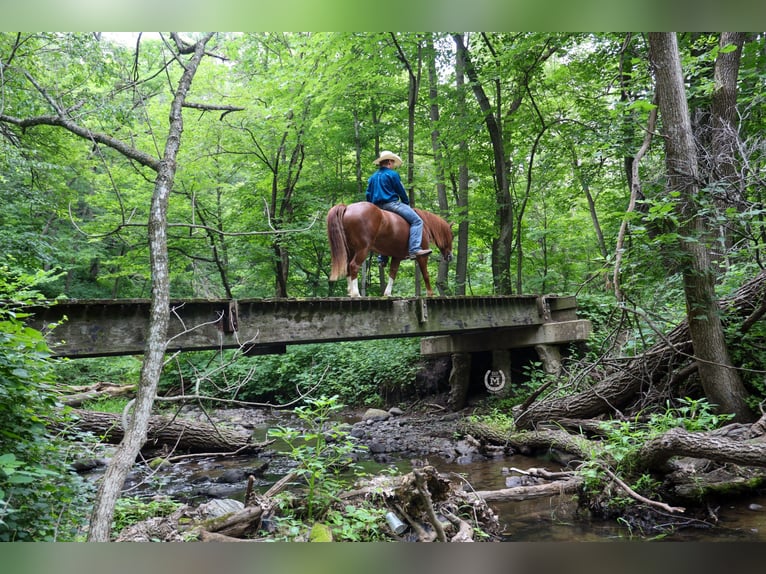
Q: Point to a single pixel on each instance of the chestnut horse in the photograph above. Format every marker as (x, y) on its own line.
(356, 229)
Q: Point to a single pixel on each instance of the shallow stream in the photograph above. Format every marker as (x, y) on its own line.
(550, 519)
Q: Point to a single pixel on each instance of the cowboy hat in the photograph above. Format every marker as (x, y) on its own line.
(388, 155)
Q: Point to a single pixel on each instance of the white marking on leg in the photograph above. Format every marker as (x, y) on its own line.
(353, 287)
(389, 288)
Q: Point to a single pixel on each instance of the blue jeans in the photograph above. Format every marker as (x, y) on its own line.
(411, 217)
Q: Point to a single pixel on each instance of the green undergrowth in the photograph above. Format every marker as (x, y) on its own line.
(324, 456)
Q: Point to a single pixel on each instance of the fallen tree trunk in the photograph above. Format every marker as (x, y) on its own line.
(639, 373)
(524, 441)
(517, 493)
(169, 433)
(97, 391)
(680, 442)
(234, 525)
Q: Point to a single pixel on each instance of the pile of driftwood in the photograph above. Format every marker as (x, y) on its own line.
(652, 374)
(429, 505)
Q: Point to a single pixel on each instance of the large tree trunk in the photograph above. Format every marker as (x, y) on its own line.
(719, 379)
(461, 264)
(502, 245)
(640, 373)
(436, 146)
(159, 315)
(414, 75)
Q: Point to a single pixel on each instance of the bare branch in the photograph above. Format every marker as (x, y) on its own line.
(128, 223)
(109, 141)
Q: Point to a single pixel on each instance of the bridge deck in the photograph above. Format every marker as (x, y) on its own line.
(91, 328)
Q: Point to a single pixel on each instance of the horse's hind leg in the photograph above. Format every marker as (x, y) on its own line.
(353, 287)
(392, 271)
(354, 264)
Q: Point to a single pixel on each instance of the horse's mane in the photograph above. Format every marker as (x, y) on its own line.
(437, 228)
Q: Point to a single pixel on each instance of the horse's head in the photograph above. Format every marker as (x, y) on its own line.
(439, 231)
(445, 244)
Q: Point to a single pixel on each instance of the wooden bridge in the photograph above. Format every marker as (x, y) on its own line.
(454, 326)
(96, 328)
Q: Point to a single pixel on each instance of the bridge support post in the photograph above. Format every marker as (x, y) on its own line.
(459, 380)
(501, 366)
(550, 355)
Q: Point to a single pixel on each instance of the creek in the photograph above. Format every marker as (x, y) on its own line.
(548, 519)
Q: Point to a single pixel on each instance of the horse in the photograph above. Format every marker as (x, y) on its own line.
(356, 229)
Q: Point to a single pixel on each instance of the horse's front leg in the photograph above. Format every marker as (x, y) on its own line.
(392, 271)
(423, 264)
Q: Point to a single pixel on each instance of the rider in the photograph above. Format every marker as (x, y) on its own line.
(385, 189)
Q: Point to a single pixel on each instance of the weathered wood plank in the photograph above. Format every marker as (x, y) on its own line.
(118, 327)
(507, 338)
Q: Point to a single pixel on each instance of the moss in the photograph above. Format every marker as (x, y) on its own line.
(320, 533)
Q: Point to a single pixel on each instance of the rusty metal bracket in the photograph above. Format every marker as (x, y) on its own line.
(422, 311)
(544, 308)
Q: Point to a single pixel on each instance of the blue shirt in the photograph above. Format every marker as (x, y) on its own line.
(385, 186)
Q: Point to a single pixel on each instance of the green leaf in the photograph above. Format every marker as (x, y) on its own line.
(21, 478)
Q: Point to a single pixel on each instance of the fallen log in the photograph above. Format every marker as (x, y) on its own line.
(518, 493)
(544, 439)
(168, 433)
(635, 374)
(235, 525)
(680, 442)
(97, 391)
(206, 536)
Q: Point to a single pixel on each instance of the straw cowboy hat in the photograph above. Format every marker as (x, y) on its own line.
(389, 155)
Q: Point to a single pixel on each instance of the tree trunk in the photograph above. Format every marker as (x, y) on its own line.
(679, 442)
(413, 88)
(502, 245)
(461, 262)
(719, 379)
(635, 194)
(724, 114)
(724, 137)
(168, 433)
(436, 146)
(124, 457)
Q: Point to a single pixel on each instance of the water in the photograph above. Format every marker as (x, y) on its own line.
(552, 519)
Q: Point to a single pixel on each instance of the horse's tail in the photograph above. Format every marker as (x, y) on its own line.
(338, 246)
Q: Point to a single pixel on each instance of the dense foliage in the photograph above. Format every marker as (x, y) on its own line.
(528, 143)
(41, 499)
(358, 373)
